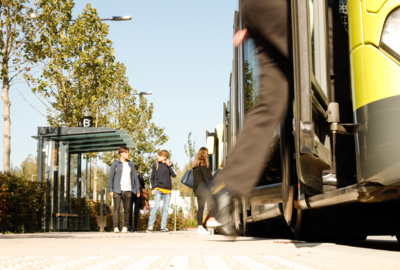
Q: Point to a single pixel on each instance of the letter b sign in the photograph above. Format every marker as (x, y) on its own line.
(87, 121)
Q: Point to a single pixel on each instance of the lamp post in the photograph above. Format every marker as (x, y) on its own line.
(34, 16)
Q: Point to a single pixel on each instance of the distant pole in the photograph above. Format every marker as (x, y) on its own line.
(102, 218)
(175, 211)
(86, 176)
(90, 178)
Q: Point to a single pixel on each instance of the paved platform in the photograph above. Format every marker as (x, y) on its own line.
(186, 250)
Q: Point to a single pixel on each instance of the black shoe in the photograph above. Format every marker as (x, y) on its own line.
(221, 206)
(130, 228)
(134, 230)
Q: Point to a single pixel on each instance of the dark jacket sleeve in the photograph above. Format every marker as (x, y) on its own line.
(153, 170)
(111, 177)
(172, 170)
(136, 188)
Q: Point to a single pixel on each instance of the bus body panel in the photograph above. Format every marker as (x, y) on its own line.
(375, 78)
(355, 23)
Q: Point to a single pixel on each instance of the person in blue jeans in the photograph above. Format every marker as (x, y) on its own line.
(161, 185)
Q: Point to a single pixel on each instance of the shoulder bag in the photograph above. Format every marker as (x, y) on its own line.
(187, 179)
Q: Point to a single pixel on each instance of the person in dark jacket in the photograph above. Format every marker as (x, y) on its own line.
(161, 185)
(201, 174)
(123, 181)
(138, 204)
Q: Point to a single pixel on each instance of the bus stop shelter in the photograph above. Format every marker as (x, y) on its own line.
(59, 158)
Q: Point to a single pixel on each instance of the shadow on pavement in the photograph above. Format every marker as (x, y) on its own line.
(387, 245)
(74, 235)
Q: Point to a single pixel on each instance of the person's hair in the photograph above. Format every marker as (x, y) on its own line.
(136, 167)
(163, 153)
(123, 149)
(201, 158)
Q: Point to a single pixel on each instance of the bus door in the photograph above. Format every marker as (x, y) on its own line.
(312, 90)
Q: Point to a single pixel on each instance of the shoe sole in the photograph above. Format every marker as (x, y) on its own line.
(230, 238)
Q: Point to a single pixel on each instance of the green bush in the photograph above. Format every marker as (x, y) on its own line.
(21, 204)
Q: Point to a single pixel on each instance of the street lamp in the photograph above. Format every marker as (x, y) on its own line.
(143, 93)
(118, 18)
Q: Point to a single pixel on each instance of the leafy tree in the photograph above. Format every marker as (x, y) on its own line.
(249, 86)
(28, 169)
(77, 71)
(17, 31)
(134, 115)
(190, 150)
(77, 65)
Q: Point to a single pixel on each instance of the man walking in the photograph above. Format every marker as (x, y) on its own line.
(161, 185)
(268, 23)
(123, 181)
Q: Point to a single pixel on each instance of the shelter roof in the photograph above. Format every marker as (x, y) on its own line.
(87, 140)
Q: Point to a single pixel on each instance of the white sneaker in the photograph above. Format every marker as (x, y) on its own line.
(201, 230)
(116, 230)
(124, 230)
(213, 223)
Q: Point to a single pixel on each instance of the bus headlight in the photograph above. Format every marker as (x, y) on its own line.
(390, 41)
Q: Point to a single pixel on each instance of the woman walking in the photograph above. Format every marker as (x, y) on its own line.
(201, 174)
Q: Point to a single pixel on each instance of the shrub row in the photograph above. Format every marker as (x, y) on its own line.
(21, 204)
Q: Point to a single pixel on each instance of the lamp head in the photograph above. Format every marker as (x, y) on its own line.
(121, 18)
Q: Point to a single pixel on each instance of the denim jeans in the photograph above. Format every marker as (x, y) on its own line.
(157, 200)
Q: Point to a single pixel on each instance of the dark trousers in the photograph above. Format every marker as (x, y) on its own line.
(125, 196)
(200, 210)
(135, 210)
(269, 25)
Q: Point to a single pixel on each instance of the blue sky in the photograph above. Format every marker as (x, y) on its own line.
(181, 50)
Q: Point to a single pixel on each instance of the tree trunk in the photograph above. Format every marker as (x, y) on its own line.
(95, 178)
(7, 120)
